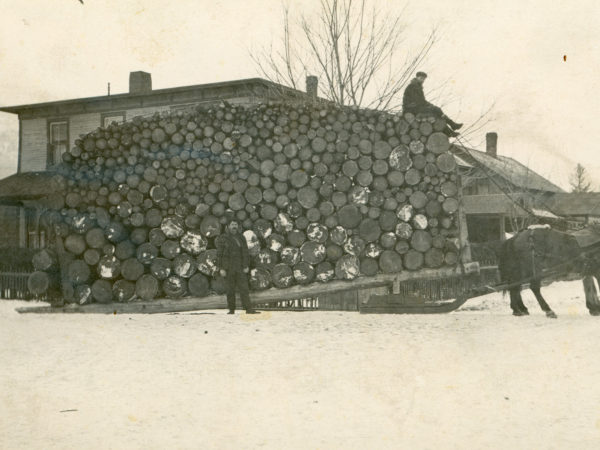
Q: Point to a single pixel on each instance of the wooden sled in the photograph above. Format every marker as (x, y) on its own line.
(398, 304)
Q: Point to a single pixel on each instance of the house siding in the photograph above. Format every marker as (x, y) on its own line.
(34, 145)
(82, 124)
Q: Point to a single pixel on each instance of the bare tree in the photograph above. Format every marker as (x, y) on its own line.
(353, 47)
(579, 181)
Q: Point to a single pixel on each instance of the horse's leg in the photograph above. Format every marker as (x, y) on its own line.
(516, 302)
(591, 295)
(535, 288)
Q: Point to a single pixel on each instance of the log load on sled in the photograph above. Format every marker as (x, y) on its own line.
(324, 194)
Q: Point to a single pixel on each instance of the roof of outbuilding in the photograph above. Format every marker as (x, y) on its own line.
(30, 186)
(508, 168)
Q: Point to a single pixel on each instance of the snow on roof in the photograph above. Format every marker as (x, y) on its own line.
(508, 168)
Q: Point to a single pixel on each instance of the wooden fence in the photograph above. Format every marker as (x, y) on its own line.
(13, 285)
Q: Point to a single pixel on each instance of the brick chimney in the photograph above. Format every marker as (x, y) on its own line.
(491, 144)
(140, 82)
(312, 86)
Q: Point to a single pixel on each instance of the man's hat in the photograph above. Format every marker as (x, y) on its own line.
(421, 74)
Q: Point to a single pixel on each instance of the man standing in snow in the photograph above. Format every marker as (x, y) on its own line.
(414, 102)
(233, 262)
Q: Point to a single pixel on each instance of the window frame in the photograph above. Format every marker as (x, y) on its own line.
(50, 151)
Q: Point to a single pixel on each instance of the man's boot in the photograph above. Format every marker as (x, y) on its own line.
(449, 132)
(455, 126)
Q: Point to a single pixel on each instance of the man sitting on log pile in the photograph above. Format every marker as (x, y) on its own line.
(414, 102)
(233, 262)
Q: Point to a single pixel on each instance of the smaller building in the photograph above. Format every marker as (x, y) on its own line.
(501, 195)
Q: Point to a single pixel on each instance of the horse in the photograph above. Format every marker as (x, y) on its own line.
(540, 252)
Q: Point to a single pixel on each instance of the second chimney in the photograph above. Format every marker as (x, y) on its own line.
(140, 82)
(312, 86)
(491, 144)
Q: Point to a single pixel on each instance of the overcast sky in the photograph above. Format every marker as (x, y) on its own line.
(510, 52)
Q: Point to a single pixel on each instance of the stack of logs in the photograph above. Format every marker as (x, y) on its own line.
(321, 192)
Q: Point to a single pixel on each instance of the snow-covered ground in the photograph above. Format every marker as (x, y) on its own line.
(475, 378)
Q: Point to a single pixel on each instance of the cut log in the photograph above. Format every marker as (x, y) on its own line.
(132, 269)
(253, 195)
(420, 222)
(283, 223)
(434, 258)
(290, 256)
(418, 199)
(198, 285)
(451, 258)
(382, 150)
(446, 163)
(75, 244)
(123, 250)
(38, 282)
(347, 267)
(354, 245)
(92, 256)
(145, 253)
(308, 197)
(317, 232)
(173, 227)
(78, 272)
(153, 218)
(448, 189)
(160, 268)
(193, 242)
(207, 262)
(296, 238)
(109, 267)
(312, 252)
(400, 158)
(169, 249)
(413, 260)
(388, 240)
(349, 216)
(412, 177)
(369, 230)
(260, 279)
(416, 147)
(82, 294)
(102, 291)
(421, 240)
(210, 226)
(174, 287)
(146, 287)
(390, 262)
(438, 143)
(123, 290)
(450, 205)
(324, 272)
(368, 266)
(298, 178)
(44, 260)
(282, 276)
(303, 272)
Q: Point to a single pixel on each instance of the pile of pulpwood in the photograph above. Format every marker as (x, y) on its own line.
(321, 192)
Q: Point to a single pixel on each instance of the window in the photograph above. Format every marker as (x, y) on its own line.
(58, 141)
(35, 236)
(107, 119)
